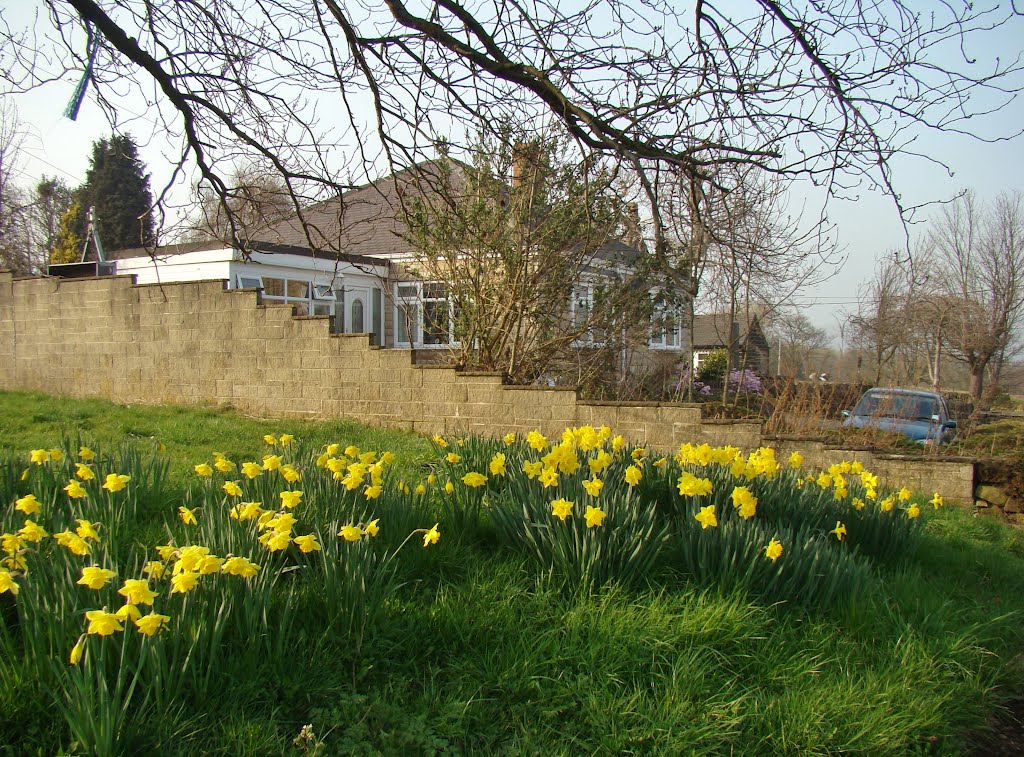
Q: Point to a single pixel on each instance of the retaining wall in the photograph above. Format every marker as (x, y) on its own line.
(200, 343)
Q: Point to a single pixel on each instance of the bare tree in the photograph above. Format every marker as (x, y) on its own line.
(979, 253)
(828, 91)
(798, 341)
(15, 205)
(880, 325)
(256, 198)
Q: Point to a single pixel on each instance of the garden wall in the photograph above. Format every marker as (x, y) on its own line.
(199, 343)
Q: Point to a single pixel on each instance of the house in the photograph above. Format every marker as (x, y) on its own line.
(745, 339)
(348, 288)
(351, 258)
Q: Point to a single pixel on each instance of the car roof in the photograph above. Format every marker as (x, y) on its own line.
(904, 392)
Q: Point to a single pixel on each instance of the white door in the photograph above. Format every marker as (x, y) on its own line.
(358, 310)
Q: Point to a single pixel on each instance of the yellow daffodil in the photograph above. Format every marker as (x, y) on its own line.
(497, 464)
(561, 508)
(744, 501)
(75, 490)
(128, 612)
(773, 550)
(28, 504)
(509, 438)
(251, 470)
(452, 457)
(209, 564)
(691, 486)
(86, 454)
(7, 582)
(371, 528)
(150, 624)
(184, 582)
(440, 441)
(291, 499)
(188, 517)
(224, 465)
(271, 462)
(594, 516)
(73, 543)
(39, 456)
(95, 577)
(351, 533)
(857, 503)
(166, 551)
(936, 500)
(203, 470)
(449, 487)
(431, 536)
(905, 494)
(239, 566)
(102, 623)
(633, 475)
(270, 439)
(155, 569)
(32, 532)
(536, 440)
(548, 477)
(796, 460)
(56, 455)
(474, 479)
(11, 543)
(84, 472)
(913, 511)
(116, 482)
(706, 517)
(76, 651)
(839, 530)
(307, 543)
(372, 492)
(886, 504)
(593, 486)
(290, 473)
(86, 529)
(287, 440)
(232, 489)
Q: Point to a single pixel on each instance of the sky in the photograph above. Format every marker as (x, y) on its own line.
(867, 226)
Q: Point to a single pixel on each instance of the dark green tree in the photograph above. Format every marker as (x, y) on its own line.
(117, 186)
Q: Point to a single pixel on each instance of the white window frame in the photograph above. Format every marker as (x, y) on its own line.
(420, 295)
(311, 302)
(666, 338)
(581, 308)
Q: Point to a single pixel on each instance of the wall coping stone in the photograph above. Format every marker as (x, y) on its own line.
(538, 388)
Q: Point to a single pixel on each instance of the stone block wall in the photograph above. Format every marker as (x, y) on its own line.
(199, 343)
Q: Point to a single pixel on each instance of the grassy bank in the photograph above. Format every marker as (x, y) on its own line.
(515, 630)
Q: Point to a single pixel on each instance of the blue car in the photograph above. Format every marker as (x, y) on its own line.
(920, 416)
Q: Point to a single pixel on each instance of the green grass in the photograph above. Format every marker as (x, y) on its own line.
(476, 654)
(29, 420)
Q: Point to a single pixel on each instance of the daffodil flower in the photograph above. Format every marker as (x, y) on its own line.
(95, 577)
(102, 623)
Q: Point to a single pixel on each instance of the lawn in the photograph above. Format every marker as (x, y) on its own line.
(519, 595)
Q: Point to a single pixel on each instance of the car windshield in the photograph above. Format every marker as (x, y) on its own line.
(905, 406)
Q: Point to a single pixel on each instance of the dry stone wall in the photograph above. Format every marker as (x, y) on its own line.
(200, 343)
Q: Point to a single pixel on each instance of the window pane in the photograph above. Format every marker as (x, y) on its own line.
(320, 308)
(246, 282)
(434, 290)
(358, 322)
(435, 322)
(299, 289)
(408, 315)
(273, 287)
(408, 291)
(301, 308)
